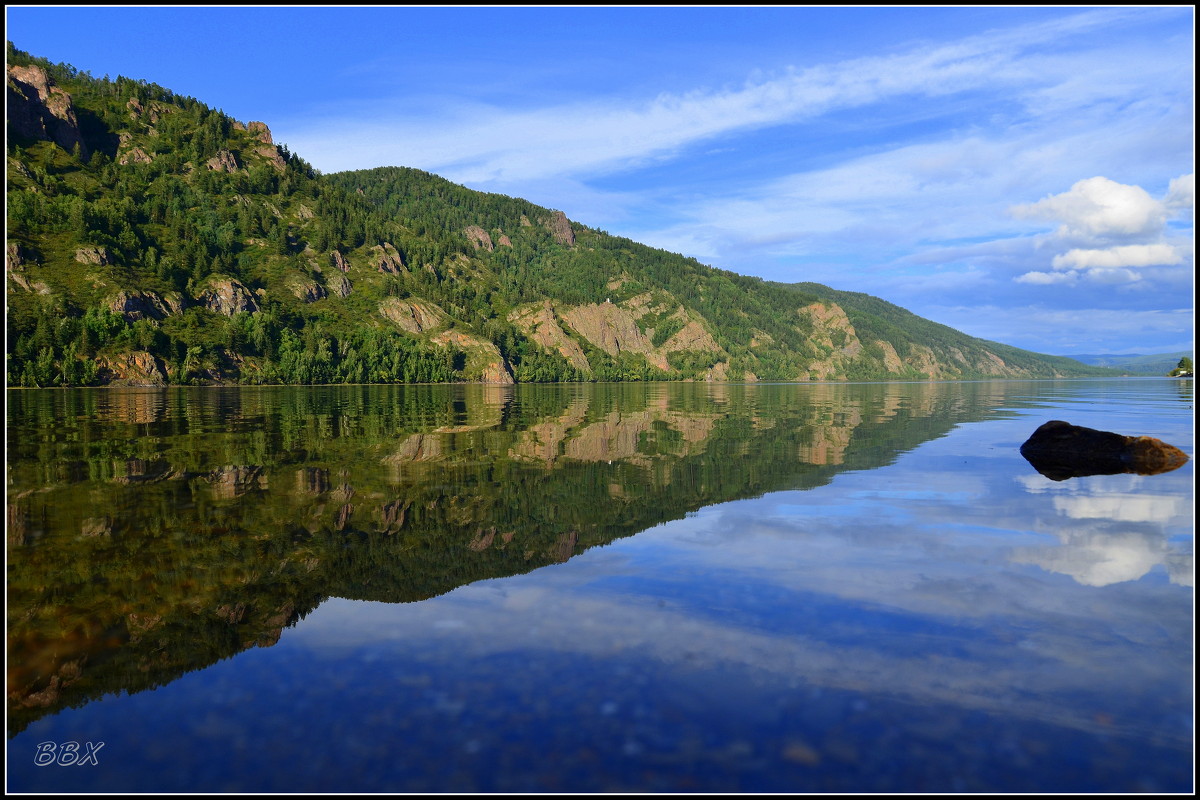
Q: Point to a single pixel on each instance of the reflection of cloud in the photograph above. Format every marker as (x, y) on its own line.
(1120, 507)
(1098, 552)
(1099, 558)
(1181, 568)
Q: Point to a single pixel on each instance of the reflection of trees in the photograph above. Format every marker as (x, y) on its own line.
(155, 532)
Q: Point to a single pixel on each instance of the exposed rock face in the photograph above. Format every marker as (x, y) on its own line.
(891, 359)
(92, 255)
(484, 361)
(387, 259)
(833, 339)
(614, 330)
(144, 305)
(504, 241)
(923, 359)
(223, 161)
(271, 153)
(339, 284)
(479, 237)
(260, 131)
(38, 109)
(136, 368)
(540, 324)
(268, 149)
(560, 228)
(135, 155)
(307, 290)
(691, 336)
(1060, 450)
(228, 296)
(718, 373)
(338, 260)
(14, 265)
(992, 364)
(413, 315)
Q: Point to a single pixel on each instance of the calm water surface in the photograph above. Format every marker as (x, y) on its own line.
(664, 587)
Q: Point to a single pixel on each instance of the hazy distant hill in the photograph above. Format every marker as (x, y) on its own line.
(153, 239)
(1156, 364)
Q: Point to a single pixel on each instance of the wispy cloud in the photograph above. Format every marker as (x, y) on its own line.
(479, 143)
(913, 174)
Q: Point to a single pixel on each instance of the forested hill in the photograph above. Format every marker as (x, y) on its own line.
(153, 239)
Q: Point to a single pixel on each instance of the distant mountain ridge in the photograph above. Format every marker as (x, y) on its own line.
(1153, 364)
(155, 240)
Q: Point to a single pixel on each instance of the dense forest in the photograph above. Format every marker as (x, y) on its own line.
(153, 239)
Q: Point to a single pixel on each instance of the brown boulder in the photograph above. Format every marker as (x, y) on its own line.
(1060, 450)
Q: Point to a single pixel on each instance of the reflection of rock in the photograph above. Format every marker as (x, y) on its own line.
(564, 548)
(234, 481)
(393, 516)
(1060, 450)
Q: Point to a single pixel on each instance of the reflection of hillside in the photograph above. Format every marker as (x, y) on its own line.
(151, 533)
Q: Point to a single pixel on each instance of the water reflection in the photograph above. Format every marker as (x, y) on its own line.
(887, 552)
(153, 532)
(1112, 529)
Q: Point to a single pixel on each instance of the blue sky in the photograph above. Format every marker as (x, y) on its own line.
(1021, 174)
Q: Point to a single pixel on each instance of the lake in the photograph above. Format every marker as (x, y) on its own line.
(595, 588)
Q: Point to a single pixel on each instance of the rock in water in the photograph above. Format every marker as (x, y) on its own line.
(1060, 450)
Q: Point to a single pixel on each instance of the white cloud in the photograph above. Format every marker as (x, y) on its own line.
(1181, 194)
(1099, 211)
(1047, 278)
(1098, 208)
(1133, 255)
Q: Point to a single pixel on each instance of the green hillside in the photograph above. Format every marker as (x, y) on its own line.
(153, 239)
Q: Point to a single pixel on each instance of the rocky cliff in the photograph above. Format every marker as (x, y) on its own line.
(38, 109)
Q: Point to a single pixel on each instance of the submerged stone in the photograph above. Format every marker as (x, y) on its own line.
(1060, 450)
